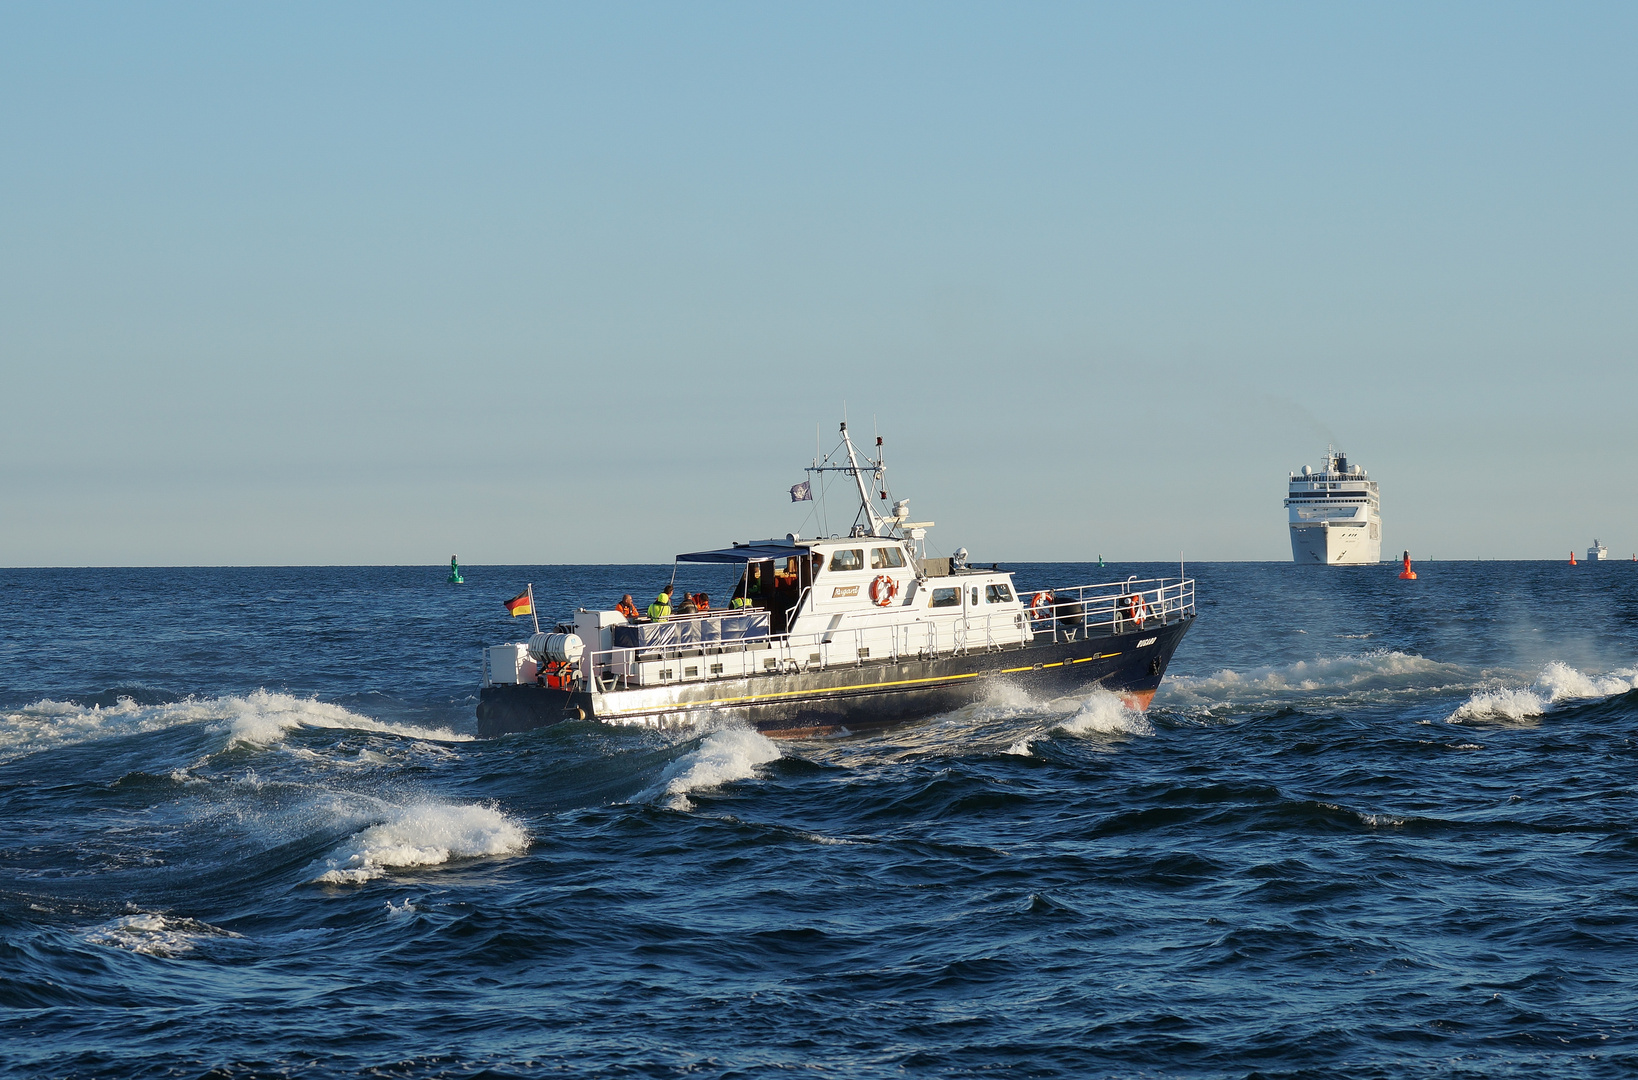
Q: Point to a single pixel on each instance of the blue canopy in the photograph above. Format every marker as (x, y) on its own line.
(740, 553)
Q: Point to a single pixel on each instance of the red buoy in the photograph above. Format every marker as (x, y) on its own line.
(1407, 574)
(1572, 556)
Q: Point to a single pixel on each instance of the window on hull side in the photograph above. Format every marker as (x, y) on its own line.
(997, 594)
(946, 598)
(886, 558)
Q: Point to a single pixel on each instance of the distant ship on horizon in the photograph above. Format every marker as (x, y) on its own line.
(1335, 514)
(1598, 552)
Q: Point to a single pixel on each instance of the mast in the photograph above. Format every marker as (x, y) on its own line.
(875, 519)
(874, 522)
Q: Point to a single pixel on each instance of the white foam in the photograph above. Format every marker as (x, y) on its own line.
(258, 719)
(1352, 674)
(49, 724)
(263, 718)
(723, 756)
(1501, 704)
(1558, 682)
(424, 834)
(155, 935)
(1105, 713)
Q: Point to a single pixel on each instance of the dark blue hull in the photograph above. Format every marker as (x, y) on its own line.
(869, 696)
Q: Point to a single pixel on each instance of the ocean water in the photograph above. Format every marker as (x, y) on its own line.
(1368, 828)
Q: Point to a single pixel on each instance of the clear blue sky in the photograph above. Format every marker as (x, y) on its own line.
(378, 283)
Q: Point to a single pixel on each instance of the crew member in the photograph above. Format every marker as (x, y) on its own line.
(660, 609)
(628, 607)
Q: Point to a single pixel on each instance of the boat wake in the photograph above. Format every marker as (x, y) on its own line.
(1104, 713)
(1558, 683)
(1385, 674)
(1099, 714)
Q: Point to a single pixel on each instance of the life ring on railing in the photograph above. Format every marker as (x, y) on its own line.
(1040, 605)
(1133, 607)
(883, 590)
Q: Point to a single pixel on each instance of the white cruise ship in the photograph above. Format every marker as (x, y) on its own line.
(1335, 514)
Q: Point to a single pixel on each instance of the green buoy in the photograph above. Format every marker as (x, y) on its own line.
(1100, 562)
(455, 577)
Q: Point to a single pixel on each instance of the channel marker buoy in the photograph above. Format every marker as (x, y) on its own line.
(455, 577)
(1407, 574)
(1572, 556)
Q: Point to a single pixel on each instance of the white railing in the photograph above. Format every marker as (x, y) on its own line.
(1072, 612)
(1067, 613)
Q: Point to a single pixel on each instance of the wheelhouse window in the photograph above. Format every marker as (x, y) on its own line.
(850, 559)
(886, 558)
(946, 598)
(997, 594)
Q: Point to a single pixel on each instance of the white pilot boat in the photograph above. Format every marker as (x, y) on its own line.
(840, 634)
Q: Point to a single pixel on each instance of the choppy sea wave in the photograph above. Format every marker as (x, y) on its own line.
(268, 845)
(1557, 684)
(259, 718)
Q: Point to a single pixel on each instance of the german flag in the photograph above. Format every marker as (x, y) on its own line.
(521, 604)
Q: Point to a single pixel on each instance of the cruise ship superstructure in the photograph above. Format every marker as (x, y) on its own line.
(1335, 514)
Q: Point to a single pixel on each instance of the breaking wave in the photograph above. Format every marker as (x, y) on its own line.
(1558, 682)
(723, 756)
(425, 834)
(258, 719)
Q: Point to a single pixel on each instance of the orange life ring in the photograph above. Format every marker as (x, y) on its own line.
(1040, 605)
(1135, 608)
(883, 590)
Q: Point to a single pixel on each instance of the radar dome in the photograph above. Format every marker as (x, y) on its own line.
(1308, 470)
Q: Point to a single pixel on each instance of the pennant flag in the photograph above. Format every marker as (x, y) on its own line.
(520, 605)
(802, 492)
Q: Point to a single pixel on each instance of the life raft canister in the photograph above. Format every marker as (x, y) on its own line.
(1040, 605)
(883, 590)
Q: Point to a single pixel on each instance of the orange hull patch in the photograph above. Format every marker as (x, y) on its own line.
(1138, 700)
